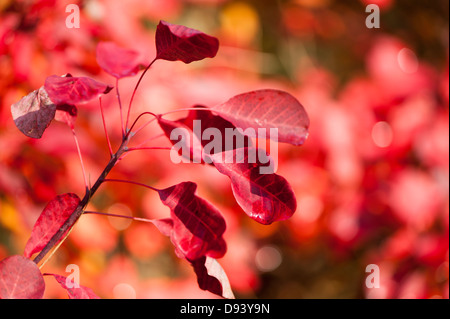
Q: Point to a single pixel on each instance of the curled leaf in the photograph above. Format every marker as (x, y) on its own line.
(20, 278)
(177, 42)
(198, 226)
(67, 114)
(34, 113)
(212, 277)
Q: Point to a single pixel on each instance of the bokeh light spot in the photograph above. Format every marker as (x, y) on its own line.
(382, 134)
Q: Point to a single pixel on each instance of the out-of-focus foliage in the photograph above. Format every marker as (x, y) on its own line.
(371, 180)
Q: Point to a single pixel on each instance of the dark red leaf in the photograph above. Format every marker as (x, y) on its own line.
(20, 278)
(267, 109)
(265, 197)
(213, 130)
(33, 113)
(67, 114)
(57, 211)
(80, 292)
(177, 42)
(212, 277)
(74, 90)
(201, 133)
(185, 142)
(117, 61)
(198, 226)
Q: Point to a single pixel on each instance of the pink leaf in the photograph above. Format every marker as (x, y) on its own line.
(177, 42)
(79, 292)
(33, 113)
(197, 225)
(117, 61)
(67, 114)
(57, 211)
(212, 277)
(266, 198)
(74, 90)
(267, 109)
(20, 278)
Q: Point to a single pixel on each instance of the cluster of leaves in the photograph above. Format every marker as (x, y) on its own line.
(195, 226)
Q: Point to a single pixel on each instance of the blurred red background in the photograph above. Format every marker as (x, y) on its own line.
(371, 181)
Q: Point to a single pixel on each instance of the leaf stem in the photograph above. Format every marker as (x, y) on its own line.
(149, 148)
(120, 106)
(81, 158)
(70, 222)
(120, 216)
(135, 89)
(132, 182)
(104, 126)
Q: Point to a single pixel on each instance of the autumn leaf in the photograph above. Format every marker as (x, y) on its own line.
(20, 278)
(34, 113)
(57, 211)
(177, 42)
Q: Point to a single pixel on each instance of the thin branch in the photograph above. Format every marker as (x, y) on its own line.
(104, 126)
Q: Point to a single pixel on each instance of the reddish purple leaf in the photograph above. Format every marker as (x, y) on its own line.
(198, 226)
(213, 130)
(33, 113)
(57, 211)
(201, 133)
(266, 198)
(183, 139)
(265, 109)
(79, 292)
(117, 61)
(74, 90)
(210, 274)
(67, 114)
(177, 42)
(212, 277)
(20, 278)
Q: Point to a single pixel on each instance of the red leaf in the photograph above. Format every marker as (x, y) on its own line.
(73, 90)
(206, 126)
(20, 278)
(203, 133)
(79, 292)
(51, 219)
(117, 61)
(33, 113)
(267, 109)
(183, 139)
(212, 277)
(266, 198)
(197, 225)
(67, 114)
(177, 42)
